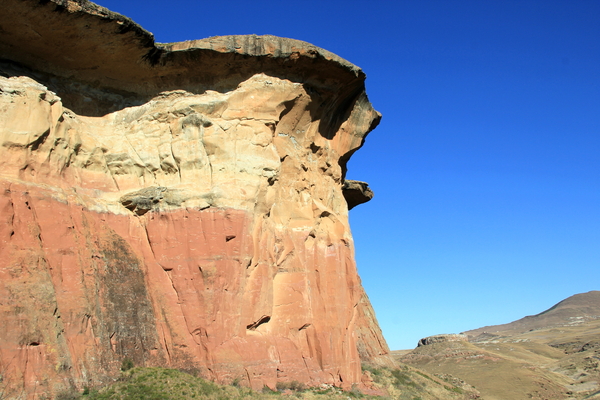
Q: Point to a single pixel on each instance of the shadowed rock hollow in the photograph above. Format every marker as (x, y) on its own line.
(179, 205)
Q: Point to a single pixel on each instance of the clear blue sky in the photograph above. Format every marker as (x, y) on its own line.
(486, 166)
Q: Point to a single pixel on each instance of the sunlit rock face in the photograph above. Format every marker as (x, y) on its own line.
(178, 206)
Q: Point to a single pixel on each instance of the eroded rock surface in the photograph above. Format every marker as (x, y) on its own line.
(175, 209)
(356, 192)
(450, 337)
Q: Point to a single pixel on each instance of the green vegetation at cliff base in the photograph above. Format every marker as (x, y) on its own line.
(403, 383)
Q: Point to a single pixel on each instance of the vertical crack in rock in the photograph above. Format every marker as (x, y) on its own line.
(166, 345)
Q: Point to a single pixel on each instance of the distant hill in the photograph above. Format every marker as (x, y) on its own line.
(554, 355)
(572, 311)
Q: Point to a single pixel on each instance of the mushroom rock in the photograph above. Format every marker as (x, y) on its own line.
(176, 205)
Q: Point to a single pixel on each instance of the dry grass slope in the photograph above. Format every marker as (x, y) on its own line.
(554, 355)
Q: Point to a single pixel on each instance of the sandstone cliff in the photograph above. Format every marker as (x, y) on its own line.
(179, 205)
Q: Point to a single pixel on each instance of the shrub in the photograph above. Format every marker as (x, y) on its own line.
(268, 391)
(127, 364)
(373, 370)
(355, 392)
(402, 379)
(294, 386)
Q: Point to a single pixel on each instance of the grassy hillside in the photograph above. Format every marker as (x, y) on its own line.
(554, 355)
(403, 383)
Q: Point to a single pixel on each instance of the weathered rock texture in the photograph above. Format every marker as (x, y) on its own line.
(177, 205)
(451, 337)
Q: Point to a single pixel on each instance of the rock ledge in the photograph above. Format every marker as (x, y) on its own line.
(452, 337)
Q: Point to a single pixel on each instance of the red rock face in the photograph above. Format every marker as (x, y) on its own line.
(83, 290)
(202, 230)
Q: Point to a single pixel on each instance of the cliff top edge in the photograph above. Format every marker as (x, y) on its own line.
(80, 40)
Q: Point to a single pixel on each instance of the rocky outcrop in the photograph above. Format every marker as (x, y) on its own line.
(550, 355)
(451, 337)
(178, 205)
(356, 192)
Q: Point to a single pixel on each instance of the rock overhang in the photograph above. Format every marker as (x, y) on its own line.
(111, 51)
(120, 64)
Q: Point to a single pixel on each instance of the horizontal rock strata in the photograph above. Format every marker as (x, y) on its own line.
(450, 337)
(178, 205)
